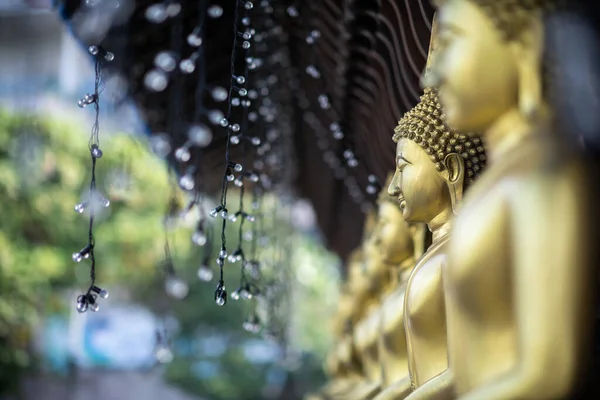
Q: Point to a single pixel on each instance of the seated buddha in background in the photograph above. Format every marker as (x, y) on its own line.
(434, 166)
(518, 281)
(393, 252)
(342, 365)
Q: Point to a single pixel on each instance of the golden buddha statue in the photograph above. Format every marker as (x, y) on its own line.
(394, 244)
(519, 278)
(434, 166)
(341, 365)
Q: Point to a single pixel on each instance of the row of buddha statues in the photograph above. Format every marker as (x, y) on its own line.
(476, 276)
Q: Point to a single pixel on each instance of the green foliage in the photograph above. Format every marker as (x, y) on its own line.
(44, 171)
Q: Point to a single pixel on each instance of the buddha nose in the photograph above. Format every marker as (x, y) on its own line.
(394, 187)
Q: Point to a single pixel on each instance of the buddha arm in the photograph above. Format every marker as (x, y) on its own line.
(551, 292)
(396, 391)
(439, 387)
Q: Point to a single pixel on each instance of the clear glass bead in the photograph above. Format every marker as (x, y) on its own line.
(176, 288)
(109, 56)
(222, 253)
(246, 45)
(79, 208)
(224, 122)
(248, 5)
(156, 80)
(156, 13)
(256, 141)
(215, 11)
(94, 307)
(160, 145)
(200, 135)
(205, 274)
(96, 152)
(199, 238)
(219, 94)
(77, 257)
(235, 140)
(165, 61)
(240, 80)
(238, 168)
(187, 66)
(93, 50)
(182, 154)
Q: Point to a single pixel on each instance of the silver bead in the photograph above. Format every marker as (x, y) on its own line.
(93, 50)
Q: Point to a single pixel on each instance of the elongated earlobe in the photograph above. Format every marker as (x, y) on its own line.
(455, 167)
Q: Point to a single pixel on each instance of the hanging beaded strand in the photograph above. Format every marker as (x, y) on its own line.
(220, 296)
(89, 299)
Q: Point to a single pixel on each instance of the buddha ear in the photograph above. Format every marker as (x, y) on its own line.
(455, 167)
(528, 50)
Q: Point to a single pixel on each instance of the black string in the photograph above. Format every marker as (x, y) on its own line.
(229, 131)
(94, 142)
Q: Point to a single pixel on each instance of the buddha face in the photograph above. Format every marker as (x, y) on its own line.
(420, 189)
(395, 242)
(474, 68)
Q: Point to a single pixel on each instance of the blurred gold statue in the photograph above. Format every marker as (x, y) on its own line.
(394, 245)
(434, 167)
(518, 279)
(342, 365)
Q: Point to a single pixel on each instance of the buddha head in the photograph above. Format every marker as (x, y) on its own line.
(488, 60)
(434, 164)
(393, 234)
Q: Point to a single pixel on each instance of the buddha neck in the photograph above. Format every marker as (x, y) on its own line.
(440, 225)
(505, 134)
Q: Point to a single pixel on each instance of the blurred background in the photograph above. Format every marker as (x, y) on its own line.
(159, 334)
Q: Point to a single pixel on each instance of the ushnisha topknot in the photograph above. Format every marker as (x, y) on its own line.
(425, 125)
(511, 17)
